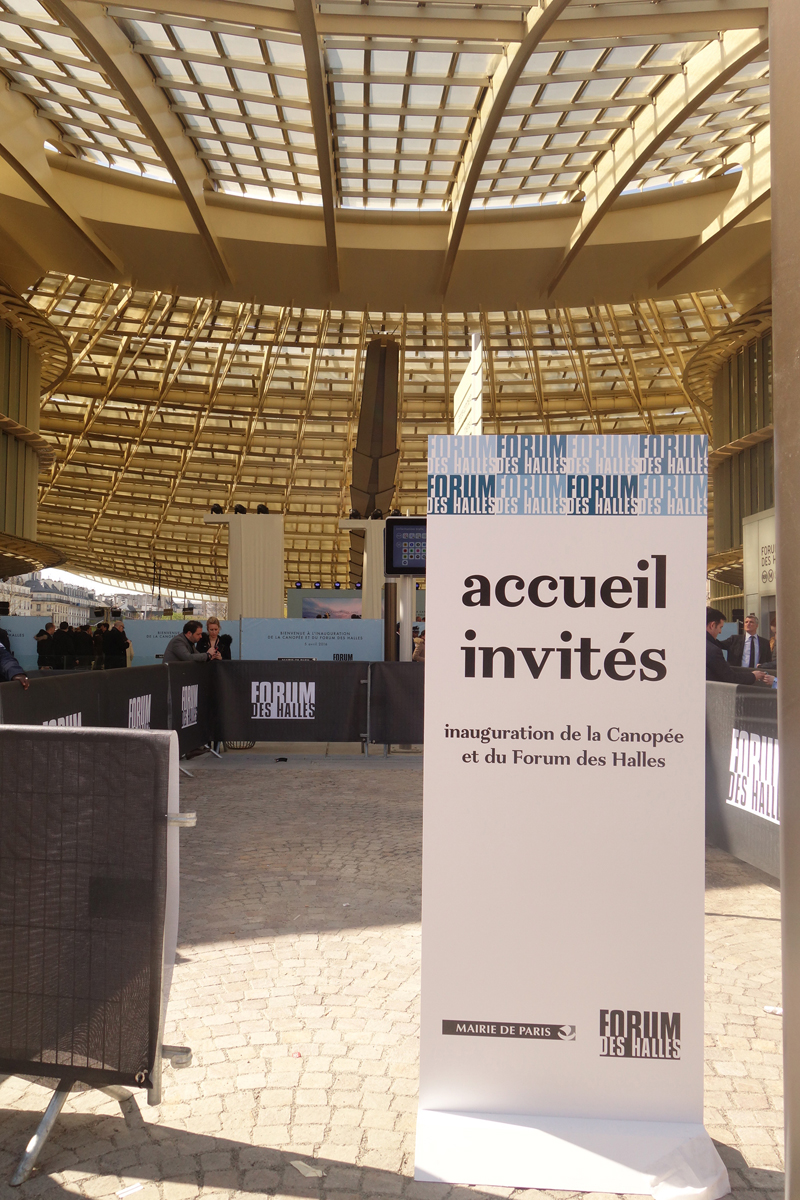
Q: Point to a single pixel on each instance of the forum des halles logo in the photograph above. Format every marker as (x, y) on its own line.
(293, 700)
(634, 1033)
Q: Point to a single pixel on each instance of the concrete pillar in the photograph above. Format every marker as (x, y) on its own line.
(785, 105)
(255, 564)
(372, 578)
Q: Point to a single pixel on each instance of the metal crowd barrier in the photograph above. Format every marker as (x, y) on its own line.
(383, 703)
(283, 701)
(89, 822)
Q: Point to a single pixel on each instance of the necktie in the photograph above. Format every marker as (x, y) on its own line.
(752, 651)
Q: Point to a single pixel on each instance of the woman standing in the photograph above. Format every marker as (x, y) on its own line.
(212, 639)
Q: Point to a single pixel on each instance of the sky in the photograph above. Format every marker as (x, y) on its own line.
(68, 577)
(117, 585)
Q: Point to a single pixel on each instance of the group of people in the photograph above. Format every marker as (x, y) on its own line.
(108, 647)
(67, 647)
(194, 644)
(748, 653)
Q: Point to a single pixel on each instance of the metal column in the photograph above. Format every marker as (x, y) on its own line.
(785, 94)
(406, 611)
(390, 621)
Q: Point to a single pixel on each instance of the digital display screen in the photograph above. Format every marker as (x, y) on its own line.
(405, 546)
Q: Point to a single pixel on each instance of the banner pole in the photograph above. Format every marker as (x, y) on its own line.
(785, 95)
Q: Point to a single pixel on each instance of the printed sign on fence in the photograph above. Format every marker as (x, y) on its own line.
(754, 774)
(279, 700)
(189, 705)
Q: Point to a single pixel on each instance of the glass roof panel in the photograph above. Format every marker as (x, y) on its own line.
(240, 92)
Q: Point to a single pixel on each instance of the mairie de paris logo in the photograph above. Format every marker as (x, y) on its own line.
(530, 1030)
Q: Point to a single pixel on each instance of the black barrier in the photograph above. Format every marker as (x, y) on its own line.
(192, 696)
(53, 700)
(179, 696)
(83, 864)
(742, 773)
(232, 701)
(397, 702)
(136, 698)
(292, 701)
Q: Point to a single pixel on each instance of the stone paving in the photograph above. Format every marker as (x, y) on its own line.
(297, 987)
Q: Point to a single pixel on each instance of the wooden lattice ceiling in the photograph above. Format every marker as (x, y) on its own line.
(173, 404)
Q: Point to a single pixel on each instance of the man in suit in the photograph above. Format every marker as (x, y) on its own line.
(115, 646)
(717, 669)
(747, 649)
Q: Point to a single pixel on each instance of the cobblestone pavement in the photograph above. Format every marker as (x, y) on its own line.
(297, 987)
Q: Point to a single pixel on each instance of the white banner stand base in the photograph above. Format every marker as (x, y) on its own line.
(669, 1161)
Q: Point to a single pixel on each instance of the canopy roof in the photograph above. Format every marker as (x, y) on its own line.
(289, 149)
(404, 86)
(174, 404)
(218, 202)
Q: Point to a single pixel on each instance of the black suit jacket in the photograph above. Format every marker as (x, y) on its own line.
(115, 642)
(735, 647)
(720, 671)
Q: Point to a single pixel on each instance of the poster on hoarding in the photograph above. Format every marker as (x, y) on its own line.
(563, 846)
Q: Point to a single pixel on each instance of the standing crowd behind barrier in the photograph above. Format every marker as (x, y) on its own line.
(108, 648)
(243, 701)
(69, 648)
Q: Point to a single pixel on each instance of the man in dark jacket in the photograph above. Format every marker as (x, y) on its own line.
(63, 647)
(717, 669)
(748, 649)
(115, 646)
(44, 646)
(183, 647)
(84, 645)
(97, 638)
(10, 669)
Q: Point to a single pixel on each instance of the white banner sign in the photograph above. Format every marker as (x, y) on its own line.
(563, 855)
(754, 774)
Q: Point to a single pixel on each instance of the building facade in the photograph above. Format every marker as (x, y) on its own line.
(52, 600)
(17, 595)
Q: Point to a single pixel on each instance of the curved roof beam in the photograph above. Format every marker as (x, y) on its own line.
(703, 75)
(495, 103)
(752, 190)
(105, 42)
(321, 118)
(22, 136)
(668, 17)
